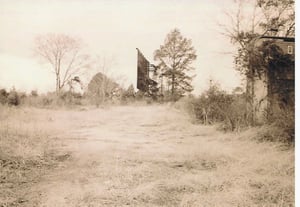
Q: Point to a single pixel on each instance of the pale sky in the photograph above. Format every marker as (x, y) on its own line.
(112, 29)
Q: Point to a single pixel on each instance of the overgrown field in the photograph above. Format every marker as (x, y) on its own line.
(27, 149)
(136, 156)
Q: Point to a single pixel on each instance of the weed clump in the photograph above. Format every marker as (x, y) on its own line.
(13, 98)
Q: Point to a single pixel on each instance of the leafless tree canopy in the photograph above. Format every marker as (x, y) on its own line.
(64, 54)
(253, 19)
(258, 17)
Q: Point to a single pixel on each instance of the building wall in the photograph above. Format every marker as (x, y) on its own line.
(270, 92)
(260, 98)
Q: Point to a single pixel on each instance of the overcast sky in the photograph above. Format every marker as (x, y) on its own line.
(112, 29)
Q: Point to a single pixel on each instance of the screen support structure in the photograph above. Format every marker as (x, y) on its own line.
(145, 74)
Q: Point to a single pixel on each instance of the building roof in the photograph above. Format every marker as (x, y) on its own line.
(286, 39)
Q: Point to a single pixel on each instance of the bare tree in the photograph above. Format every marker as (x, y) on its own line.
(64, 54)
(253, 19)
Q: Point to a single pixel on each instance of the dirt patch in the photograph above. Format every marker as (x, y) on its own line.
(196, 164)
(18, 174)
(148, 156)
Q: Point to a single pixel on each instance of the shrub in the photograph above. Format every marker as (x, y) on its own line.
(235, 113)
(283, 123)
(46, 101)
(3, 96)
(128, 96)
(217, 106)
(34, 93)
(13, 98)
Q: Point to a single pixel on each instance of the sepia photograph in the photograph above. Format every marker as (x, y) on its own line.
(147, 103)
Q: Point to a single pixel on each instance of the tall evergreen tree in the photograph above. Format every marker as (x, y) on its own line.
(175, 58)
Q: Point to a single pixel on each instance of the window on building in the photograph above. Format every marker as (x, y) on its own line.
(290, 49)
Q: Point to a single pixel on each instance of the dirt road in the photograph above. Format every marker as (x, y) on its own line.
(154, 156)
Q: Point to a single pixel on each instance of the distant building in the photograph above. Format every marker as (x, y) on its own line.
(275, 88)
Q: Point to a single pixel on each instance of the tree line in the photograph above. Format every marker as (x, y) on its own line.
(66, 58)
(174, 59)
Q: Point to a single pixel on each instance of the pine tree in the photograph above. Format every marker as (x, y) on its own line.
(175, 58)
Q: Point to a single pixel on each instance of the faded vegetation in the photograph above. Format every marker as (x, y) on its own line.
(27, 151)
(227, 111)
(154, 155)
(138, 157)
(65, 56)
(249, 22)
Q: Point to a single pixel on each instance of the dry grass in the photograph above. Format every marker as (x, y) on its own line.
(152, 156)
(26, 149)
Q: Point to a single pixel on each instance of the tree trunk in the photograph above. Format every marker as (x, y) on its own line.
(57, 85)
(173, 87)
